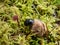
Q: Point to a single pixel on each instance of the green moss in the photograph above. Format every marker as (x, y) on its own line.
(15, 33)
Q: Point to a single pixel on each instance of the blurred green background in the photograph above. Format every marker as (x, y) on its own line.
(13, 32)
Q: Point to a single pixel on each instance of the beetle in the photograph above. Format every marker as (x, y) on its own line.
(38, 27)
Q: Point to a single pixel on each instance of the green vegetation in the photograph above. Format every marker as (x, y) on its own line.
(13, 31)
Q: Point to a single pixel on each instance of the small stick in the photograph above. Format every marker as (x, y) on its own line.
(58, 43)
